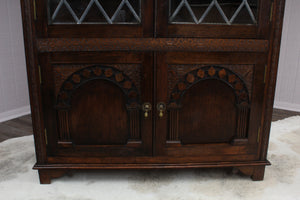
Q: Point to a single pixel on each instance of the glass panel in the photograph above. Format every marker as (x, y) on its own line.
(64, 14)
(213, 11)
(94, 11)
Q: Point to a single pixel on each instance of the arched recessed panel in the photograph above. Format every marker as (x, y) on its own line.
(98, 114)
(80, 77)
(211, 73)
(83, 87)
(208, 113)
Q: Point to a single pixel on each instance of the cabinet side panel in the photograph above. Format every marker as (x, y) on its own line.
(33, 80)
(275, 40)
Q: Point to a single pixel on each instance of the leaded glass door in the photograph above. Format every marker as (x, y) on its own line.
(94, 18)
(213, 18)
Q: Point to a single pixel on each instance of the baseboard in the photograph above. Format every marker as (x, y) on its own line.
(287, 106)
(11, 114)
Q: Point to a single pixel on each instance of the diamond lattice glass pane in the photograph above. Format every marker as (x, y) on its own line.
(125, 15)
(248, 13)
(199, 8)
(136, 5)
(243, 17)
(213, 11)
(111, 6)
(78, 6)
(214, 17)
(230, 6)
(94, 15)
(183, 16)
(94, 11)
(52, 5)
(63, 15)
(173, 5)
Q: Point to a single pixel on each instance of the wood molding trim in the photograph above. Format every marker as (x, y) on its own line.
(271, 75)
(150, 166)
(33, 81)
(152, 44)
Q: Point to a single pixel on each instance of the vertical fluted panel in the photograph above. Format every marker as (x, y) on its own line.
(242, 125)
(64, 131)
(173, 125)
(134, 124)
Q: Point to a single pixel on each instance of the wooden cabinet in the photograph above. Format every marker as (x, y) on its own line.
(213, 99)
(151, 84)
(92, 103)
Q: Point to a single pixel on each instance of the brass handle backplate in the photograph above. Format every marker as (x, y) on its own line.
(146, 108)
(161, 107)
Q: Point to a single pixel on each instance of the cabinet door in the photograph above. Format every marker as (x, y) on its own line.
(212, 104)
(213, 18)
(94, 18)
(93, 103)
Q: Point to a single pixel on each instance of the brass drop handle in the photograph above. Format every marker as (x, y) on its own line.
(146, 108)
(161, 107)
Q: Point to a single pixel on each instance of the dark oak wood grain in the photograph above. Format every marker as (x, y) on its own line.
(151, 44)
(195, 127)
(24, 124)
(105, 94)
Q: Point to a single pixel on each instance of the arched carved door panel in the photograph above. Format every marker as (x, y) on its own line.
(211, 104)
(95, 123)
(209, 107)
(96, 109)
(200, 111)
(96, 105)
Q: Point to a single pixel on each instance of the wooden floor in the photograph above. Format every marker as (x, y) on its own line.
(22, 126)
(18, 127)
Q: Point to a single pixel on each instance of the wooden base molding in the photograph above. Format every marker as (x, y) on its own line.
(47, 174)
(255, 172)
(51, 171)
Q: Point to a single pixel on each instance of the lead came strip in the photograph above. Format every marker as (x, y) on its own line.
(213, 3)
(110, 20)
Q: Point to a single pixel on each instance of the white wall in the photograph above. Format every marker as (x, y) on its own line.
(14, 100)
(288, 81)
(13, 83)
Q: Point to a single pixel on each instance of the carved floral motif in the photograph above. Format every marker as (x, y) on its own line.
(211, 72)
(86, 74)
(63, 72)
(176, 73)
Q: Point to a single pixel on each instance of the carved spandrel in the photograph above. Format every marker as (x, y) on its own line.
(80, 77)
(62, 72)
(219, 73)
(177, 72)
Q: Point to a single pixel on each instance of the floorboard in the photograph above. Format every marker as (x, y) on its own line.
(22, 126)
